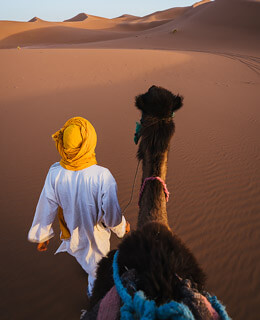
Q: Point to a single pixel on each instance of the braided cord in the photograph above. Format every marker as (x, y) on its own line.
(219, 307)
(166, 191)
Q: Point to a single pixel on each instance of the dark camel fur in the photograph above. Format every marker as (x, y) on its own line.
(157, 255)
(157, 107)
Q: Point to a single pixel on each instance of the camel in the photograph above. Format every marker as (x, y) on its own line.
(152, 271)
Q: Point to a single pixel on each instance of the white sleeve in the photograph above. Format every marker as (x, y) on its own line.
(119, 230)
(46, 210)
(112, 216)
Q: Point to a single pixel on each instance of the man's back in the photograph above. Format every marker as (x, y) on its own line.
(82, 195)
(88, 198)
(87, 195)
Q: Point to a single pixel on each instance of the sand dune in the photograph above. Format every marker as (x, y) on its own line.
(229, 24)
(127, 17)
(213, 61)
(169, 14)
(83, 16)
(54, 35)
(212, 26)
(36, 19)
(13, 34)
(208, 25)
(139, 24)
(239, 15)
(133, 23)
(79, 17)
(200, 3)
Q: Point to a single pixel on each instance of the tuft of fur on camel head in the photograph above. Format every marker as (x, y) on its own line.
(158, 102)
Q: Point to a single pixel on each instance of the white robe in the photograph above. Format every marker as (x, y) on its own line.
(89, 201)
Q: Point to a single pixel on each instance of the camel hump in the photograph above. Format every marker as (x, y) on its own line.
(158, 102)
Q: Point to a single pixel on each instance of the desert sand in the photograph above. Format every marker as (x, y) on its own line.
(94, 67)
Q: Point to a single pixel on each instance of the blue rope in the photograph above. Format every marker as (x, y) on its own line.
(146, 309)
(221, 310)
(137, 132)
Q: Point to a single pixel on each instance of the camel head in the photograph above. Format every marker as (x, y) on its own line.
(158, 102)
(156, 126)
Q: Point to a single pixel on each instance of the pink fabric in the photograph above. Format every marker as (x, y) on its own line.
(213, 312)
(109, 306)
(167, 193)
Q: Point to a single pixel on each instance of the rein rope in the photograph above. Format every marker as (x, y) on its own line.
(166, 191)
(132, 192)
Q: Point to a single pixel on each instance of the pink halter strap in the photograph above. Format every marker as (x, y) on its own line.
(167, 193)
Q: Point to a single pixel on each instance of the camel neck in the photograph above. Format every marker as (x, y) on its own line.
(153, 201)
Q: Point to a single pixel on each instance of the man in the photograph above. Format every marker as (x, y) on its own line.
(85, 196)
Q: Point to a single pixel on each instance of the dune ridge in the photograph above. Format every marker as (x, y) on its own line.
(79, 17)
(36, 19)
(127, 17)
(82, 17)
(200, 3)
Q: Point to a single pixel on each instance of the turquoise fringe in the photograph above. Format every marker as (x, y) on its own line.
(141, 308)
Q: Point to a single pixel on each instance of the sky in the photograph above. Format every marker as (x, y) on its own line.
(59, 10)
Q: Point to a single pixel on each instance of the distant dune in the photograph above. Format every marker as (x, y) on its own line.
(82, 28)
(220, 25)
(36, 19)
(83, 16)
(79, 17)
(127, 17)
(169, 14)
(206, 24)
(58, 35)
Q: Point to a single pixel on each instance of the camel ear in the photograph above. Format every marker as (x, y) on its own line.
(177, 102)
(139, 102)
(152, 88)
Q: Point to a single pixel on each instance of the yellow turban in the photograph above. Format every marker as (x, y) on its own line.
(76, 143)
